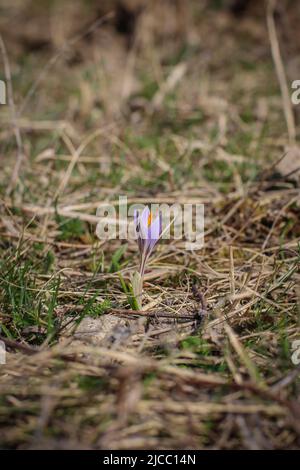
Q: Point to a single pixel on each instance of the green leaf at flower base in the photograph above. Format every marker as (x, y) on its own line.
(137, 288)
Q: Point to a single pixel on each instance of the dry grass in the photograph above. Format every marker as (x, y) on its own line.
(184, 110)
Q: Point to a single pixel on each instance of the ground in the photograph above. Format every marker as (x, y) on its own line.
(161, 103)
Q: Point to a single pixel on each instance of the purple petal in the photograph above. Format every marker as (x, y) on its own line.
(136, 216)
(147, 235)
(140, 240)
(154, 232)
(144, 217)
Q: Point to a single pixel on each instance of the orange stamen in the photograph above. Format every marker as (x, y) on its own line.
(149, 219)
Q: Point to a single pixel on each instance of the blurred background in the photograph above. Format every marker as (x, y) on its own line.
(201, 69)
(196, 68)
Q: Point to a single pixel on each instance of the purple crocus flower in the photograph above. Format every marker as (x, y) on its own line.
(148, 232)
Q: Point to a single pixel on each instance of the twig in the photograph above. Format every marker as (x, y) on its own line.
(150, 314)
(19, 346)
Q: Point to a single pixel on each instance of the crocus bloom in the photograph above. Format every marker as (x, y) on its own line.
(148, 232)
